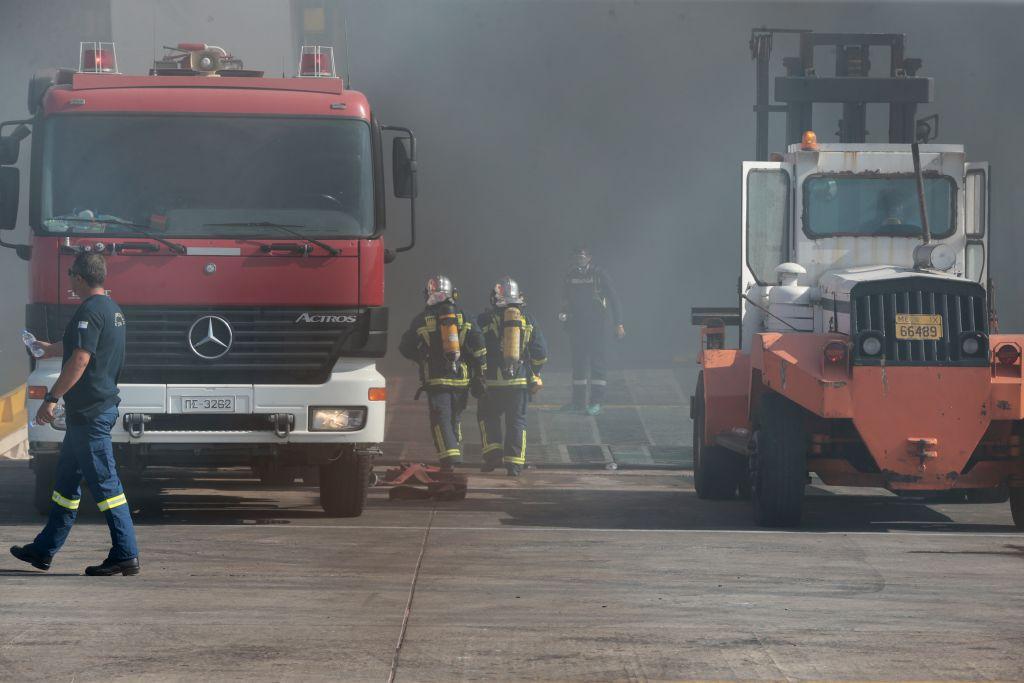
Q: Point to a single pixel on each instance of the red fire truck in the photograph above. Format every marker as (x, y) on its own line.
(242, 218)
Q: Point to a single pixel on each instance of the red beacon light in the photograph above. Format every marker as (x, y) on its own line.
(316, 61)
(97, 58)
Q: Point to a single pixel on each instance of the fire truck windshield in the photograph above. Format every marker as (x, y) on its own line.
(207, 176)
(876, 206)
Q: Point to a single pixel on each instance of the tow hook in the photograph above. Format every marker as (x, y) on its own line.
(135, 424)
(924, 448)
(283, 424)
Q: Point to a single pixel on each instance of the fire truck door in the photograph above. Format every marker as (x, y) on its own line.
(767, 215)
(976, 214)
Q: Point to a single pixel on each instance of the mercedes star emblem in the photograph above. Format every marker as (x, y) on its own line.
(210, 337)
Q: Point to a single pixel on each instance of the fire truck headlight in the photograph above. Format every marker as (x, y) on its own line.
(336, 419)
(970, 346)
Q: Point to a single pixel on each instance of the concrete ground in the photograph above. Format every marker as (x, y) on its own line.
(564, 575)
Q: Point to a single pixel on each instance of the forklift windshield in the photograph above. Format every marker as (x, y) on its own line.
(876, 206)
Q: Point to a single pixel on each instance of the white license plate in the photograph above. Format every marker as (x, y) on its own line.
(207, 404)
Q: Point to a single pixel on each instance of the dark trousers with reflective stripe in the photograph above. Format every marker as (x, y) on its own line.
(446, 406)
(589, 359)
(506, 441)
(88, 453)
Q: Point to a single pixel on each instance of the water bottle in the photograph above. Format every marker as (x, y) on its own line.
(58, 413)
(32, 344)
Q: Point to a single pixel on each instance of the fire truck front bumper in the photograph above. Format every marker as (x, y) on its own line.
(348, 408)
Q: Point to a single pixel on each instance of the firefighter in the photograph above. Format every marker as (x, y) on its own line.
(516, 351)
(451, 356)
(587, 302)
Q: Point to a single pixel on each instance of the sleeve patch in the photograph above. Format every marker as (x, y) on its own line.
(83, 324)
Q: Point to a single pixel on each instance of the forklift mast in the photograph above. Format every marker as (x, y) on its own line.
(852, 86)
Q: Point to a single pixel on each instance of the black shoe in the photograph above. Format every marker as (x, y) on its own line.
(26, 554)
(513, 470)
(110, 567)
(449, 464)
(489, 464)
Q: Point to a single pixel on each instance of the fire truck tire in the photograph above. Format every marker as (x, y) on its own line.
(344, 482)
(717, 471)
(1017, 506)
(779, 468)
(45, 470)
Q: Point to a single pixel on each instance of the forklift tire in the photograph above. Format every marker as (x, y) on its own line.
(343, 484)
(779, 470)
(1017, 507)
(717, 471)
(45, 469)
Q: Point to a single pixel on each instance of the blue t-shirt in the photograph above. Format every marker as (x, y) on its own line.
(98, 327)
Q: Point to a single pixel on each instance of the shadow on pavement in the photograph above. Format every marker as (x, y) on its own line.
(612, 501)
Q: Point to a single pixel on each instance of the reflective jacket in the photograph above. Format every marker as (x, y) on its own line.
(421, 343)
(533, 349)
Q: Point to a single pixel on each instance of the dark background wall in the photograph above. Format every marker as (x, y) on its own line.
(541, 124)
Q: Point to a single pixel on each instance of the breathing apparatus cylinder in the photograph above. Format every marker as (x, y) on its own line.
(511, 341)
(449, 327)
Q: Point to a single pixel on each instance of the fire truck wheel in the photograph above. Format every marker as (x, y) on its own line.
(1017, 506)
(45, 469)
(343, 484)
(779, 469)
(717, 471)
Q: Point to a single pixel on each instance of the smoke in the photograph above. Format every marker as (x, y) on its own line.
(540, 125)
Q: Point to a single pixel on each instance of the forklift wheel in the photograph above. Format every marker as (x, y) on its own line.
(1017, 507)
(780, 463)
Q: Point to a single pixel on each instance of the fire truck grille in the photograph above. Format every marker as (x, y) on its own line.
(961, 305)
(264, 345)
(267, 347)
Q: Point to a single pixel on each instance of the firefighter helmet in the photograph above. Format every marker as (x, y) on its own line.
(438, 289)
(506, 292)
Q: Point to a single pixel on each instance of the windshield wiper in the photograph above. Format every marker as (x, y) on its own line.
(134, 227)
(284, 227)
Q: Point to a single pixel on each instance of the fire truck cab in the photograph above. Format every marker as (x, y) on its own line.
(242, 221)
(868, 346)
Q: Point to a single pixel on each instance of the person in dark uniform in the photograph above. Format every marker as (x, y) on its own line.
(516, 351)
(588, 300)
(93, 353)
(451, 356)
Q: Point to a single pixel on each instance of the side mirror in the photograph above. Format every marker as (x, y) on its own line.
(403, 169)
(10, 187)
(11, 144)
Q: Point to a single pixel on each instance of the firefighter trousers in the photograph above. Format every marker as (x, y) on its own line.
(589, 361)
(87, 452)
(446, 406)
(508, 441)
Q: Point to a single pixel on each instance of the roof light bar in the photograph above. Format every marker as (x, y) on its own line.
(316, 61)
(96, 57)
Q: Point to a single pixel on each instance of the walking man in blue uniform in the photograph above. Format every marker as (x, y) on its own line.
(93, 353)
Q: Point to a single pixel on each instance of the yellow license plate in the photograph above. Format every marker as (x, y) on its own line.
(918, 327)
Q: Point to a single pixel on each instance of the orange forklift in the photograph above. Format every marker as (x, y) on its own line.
(868, 350)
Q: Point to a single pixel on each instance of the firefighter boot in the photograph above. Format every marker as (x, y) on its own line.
(513, 470)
